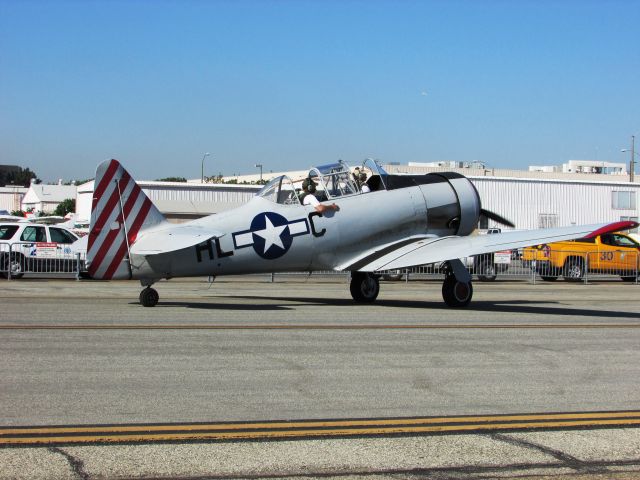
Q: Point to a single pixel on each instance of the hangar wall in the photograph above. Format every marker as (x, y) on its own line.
(530, 202)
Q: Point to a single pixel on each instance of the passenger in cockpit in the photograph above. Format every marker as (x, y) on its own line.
(309, 197)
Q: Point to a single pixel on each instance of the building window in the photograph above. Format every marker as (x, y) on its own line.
(630, 219)
(623, 200)
(547, 220)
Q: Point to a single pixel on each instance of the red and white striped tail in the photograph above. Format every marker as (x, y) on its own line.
(120, 210)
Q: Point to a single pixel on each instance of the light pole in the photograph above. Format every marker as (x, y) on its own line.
(202, 172)
(632, 161)
(259, 165)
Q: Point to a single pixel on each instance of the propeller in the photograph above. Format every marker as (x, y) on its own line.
(496, 218)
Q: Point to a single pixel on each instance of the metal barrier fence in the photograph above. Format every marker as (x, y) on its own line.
(19, 258)
(580, 266)
(531, 264)
(546, 265)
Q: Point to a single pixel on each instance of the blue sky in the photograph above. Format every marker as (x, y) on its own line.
(289, 84)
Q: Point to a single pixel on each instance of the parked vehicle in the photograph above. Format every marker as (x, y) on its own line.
(487, 266)
(33, 247)
(614, 253)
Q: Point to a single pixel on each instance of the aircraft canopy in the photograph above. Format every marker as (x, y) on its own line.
(280, 190)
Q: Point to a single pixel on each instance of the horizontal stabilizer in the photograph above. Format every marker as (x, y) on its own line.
(171, 239)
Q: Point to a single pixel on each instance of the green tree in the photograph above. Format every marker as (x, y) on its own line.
(14, 175)
(66, 206)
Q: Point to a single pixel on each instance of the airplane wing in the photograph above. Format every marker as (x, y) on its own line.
(423, 250)
(176, 237)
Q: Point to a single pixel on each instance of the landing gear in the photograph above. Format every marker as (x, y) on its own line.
(149, 297)
(456, 294)
(364, 287)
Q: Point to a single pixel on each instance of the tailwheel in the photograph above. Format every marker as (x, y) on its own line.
(364, 287)
(149, 297)
(456, 294)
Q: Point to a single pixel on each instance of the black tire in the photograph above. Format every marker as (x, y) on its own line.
(149, 297)
(630, 279)
(364, 287)
(574, 270)
(16, 265)
(547, 278)
(456, 294)
(487, 272)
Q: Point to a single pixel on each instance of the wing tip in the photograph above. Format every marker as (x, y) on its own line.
(613, 227)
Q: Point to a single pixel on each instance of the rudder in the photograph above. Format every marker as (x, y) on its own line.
(119, 211)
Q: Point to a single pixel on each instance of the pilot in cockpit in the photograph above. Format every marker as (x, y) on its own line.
(309, 197)
(362, 181)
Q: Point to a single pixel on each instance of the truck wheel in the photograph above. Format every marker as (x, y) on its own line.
(487, 272)
(574, 270)
(15, 264)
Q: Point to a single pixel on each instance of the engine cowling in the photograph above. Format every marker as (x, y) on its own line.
(453, 204)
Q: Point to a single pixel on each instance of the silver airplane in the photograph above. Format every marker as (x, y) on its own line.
(400, 222)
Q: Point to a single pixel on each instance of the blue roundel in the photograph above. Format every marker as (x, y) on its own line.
(271, 235)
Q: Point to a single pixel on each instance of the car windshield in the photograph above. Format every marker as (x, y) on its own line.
(280, 190)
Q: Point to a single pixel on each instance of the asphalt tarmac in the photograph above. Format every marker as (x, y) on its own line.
(423, 389)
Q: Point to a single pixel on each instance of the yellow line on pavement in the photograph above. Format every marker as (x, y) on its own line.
(311, 428)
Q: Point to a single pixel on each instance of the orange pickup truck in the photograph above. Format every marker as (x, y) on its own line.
(611, 253)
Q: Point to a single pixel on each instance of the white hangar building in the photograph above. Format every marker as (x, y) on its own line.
(45, 198)
(11, 197)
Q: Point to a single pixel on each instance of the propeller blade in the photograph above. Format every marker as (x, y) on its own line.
(496, 218)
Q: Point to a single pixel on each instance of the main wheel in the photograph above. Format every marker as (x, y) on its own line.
(487, 272)
(574, 270)
(456, 294)
(364, 287)
(13, 264)
(149, 297)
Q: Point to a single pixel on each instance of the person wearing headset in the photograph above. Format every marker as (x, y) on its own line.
(309, 198)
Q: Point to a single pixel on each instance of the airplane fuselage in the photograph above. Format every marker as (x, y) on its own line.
(265, 236)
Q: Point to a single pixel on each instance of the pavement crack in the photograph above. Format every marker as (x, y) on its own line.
(568, 460)
(76, 464)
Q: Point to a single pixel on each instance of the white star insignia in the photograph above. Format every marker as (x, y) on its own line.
(271, 234)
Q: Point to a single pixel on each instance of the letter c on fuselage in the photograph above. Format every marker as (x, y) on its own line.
(313, 227)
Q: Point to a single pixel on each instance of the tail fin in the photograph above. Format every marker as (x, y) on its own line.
(120, 210)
